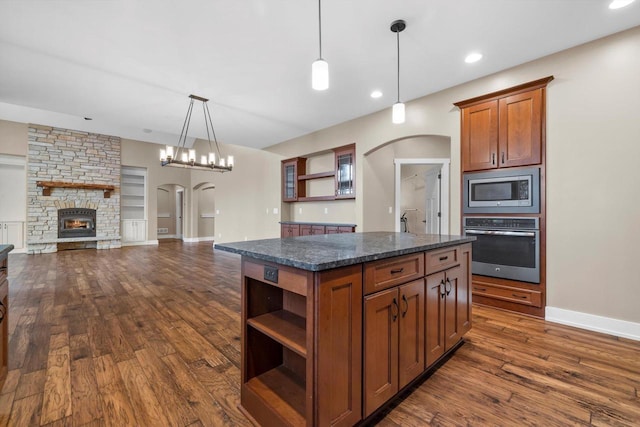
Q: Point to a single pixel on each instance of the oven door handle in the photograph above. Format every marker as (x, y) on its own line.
(503, 233)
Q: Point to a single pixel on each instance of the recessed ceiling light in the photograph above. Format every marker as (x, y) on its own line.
(376, 94)
(617, 4)
(473, 57)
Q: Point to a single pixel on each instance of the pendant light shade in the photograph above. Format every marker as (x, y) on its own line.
(320, 74)
(397, 112)
(320, 68)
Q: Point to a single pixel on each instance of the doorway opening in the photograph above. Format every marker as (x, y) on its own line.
(422, 196)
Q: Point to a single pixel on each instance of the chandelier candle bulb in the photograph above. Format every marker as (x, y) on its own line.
(230, 160)
(222, 163)
(163, 155)
(192, 155)
(203, 159)
(169, 152)
(185, 157)
(212, 158)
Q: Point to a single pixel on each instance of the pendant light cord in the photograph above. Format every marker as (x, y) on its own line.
(320, 26)
(398, 44)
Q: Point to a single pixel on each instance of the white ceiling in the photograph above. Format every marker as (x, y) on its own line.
(131, 64)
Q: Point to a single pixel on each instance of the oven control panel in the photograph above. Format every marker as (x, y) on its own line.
(502, 223)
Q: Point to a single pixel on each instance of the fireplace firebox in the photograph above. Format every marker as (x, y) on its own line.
(76, 222)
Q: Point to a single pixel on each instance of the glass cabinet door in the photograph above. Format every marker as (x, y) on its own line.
(290, 181)
(345, 173)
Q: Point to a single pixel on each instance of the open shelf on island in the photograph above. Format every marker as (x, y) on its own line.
(285, 327)
(284, 392)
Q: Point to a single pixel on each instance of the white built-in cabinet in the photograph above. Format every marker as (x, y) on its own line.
(133, 202)
(12, 233)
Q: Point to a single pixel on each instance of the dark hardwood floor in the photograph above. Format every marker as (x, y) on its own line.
(149, 336)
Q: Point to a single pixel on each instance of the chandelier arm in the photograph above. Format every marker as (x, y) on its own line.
(213, 131)
(206, 124)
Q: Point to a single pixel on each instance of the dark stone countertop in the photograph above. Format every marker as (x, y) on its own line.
(4, 251)
(335, 224)
(326, 251)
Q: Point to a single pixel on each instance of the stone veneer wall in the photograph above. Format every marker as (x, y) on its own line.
(73, 157)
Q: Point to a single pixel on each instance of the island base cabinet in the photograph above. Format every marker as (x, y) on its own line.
(394, 342)
(448, 307)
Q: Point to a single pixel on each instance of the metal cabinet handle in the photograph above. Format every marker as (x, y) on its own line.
(450, 287)
(394, 313)
(3, 311)
(480, 289)
(397, 270)
(519, 296)
(442, 289)
(503, 157)
(406, 305)
(444, 258)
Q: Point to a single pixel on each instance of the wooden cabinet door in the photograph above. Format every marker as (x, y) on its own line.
(521, 129)
(463, 297)
(452, 285)
(338, 314)
(380, 348)
(434, 325)
(411, 332)
(305, 230)
(479, 136)
(290, 171)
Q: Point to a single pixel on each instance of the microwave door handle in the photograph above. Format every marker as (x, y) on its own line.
(502, 233)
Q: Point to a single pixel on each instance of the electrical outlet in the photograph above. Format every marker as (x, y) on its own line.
(217, 211)
(390, 209)
(326, 210)
(267, 211)
(300, 210)
(275, 211)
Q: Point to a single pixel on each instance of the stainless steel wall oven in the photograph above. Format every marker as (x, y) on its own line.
(506, 247)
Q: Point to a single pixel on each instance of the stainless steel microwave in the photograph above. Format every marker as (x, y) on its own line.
(502, 191)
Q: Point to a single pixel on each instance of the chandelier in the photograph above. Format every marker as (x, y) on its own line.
(184, 157)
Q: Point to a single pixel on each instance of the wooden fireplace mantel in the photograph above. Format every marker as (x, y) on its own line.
(48, 185)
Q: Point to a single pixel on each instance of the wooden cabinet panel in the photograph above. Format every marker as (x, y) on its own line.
(520, 138)
(4, 329)
(441, 259)
(380, 349)
(508, 293)
(479, 138)
(434, 325)
(289, 230)
(463, 297)
(308, 229)
(339, 344)
(411, 336)
(390, 272)
(451, 285)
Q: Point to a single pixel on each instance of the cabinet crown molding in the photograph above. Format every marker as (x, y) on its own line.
(501, 93)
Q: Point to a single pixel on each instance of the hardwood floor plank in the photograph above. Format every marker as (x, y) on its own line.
(57, 387)
(31, 383)
(6, 401)
(116, 404)
(26, 411)
(86, 402)
(143, 399)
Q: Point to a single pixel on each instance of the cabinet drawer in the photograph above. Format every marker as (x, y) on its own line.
(287, 278)
(508, 293)
(441, 259)
(390, 272)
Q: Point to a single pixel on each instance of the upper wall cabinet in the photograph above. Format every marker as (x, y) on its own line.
(504, 129)
(295, 178)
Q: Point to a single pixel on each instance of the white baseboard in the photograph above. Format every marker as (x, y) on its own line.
(198, 239)
(146, 242)
(606, 325)
(168, 236)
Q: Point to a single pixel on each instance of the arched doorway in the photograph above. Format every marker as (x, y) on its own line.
(170, 208)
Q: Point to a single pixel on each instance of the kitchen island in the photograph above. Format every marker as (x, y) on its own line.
(335, 326)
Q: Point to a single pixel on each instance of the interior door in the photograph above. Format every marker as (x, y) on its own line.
(179, 213)
(433, 191)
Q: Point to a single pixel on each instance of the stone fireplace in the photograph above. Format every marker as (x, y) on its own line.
(76, 222)
(73, 157)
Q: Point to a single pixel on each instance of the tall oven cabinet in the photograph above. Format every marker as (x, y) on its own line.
(500, 130)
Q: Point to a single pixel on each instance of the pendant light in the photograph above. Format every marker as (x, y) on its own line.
(320, 68)
(397, 112)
